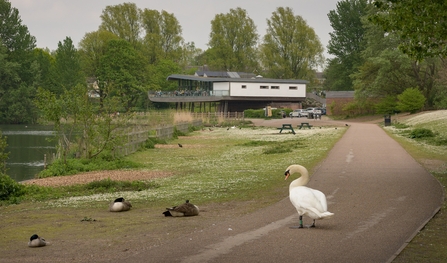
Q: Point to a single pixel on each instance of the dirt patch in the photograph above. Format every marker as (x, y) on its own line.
(85, 178)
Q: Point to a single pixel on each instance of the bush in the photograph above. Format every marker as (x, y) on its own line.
(419, 133)
(9, 188)
(411, 100)
(254, 113)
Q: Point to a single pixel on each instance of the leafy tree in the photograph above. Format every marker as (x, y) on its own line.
(421, 24)
(290, 49)
(91, 48)
(122, 71)
(411, 100)
(18, 71)
(388, 72)
(387, 105)
(68, 66)
(190, 55)
(124, 21)
(158, 73)
(90, 130)
(163, 39)
(233, 41)
(346, 43)
(46, 64)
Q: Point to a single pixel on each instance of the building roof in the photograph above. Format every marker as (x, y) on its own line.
(226, 79)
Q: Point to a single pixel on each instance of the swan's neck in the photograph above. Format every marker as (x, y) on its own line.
(303, 179)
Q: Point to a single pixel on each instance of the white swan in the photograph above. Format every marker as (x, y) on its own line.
(119, 205)
(186, 209)
(307, 201)
(36, 241)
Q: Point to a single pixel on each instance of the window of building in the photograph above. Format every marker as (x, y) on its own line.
(244, 86)
(264, 87)
(293, 87)
(274, 87)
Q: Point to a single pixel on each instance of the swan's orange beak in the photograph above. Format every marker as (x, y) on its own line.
(287, 174)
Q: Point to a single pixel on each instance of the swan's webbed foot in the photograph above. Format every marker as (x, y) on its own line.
(296, 227)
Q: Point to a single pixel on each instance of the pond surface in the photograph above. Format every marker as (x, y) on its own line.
(27, 147)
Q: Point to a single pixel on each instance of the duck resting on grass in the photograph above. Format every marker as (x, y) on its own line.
(36, 241)
(186, 209)
(307, 201)
(119, 205)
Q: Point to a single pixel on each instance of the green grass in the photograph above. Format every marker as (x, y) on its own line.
(430, 244)
(213, 167)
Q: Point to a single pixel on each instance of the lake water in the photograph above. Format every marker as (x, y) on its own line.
(27, 146)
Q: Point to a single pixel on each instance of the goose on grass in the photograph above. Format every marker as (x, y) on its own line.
(186, 209)
(119, 205)
(36, 241)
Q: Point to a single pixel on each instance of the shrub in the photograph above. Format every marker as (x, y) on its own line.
(421, 133)
(411, 100)
(9, 188)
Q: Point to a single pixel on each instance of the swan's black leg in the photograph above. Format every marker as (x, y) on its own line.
(313, 224)
(301, 223)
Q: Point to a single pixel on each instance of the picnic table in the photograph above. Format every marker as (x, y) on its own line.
(286, 127)
(304, 124)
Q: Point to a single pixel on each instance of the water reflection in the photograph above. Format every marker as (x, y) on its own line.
(27, 146)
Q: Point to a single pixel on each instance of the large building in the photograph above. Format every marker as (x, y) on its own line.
(234, 93)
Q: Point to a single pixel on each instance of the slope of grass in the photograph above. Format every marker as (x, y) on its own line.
(430, 245)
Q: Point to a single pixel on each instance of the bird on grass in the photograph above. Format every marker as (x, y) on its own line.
(186, 209)
(36, 241)
(307, 201)
(119, 205)
(179, 145)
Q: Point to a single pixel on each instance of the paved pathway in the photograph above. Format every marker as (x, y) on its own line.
(380, 196)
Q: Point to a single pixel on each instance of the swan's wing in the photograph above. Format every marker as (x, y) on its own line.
(321, 197)
(307, 198)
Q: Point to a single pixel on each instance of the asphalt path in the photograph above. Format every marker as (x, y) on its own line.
(380, 195)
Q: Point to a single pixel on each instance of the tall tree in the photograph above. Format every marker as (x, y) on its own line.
(124, 21)
(91, 48)
(387, 71)
(290, 49)
(233, 41)
(123, 72)
(68, 66)
(163, 39)
(346, 43)
(421, 24)
(46, 63)
(18, 71)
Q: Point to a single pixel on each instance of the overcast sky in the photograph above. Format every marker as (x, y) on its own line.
(51, 21)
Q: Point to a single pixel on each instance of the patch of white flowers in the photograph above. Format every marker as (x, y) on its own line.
(440, 115)
(213, 175)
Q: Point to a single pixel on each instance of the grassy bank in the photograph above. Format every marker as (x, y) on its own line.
(430, 245)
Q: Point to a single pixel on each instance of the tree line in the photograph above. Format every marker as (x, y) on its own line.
(380, 49)
(134, 50)
(384, 48)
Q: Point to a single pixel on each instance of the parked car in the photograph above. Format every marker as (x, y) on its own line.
(298, 113)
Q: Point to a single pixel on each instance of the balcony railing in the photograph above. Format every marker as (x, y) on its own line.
(198, 93)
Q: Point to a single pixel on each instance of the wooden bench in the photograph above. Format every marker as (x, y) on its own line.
(286, 127)
(304, 124)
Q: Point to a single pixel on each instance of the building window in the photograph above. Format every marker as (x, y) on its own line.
(244, 86)
(274, 87)
(293, 87)
(264, 87)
